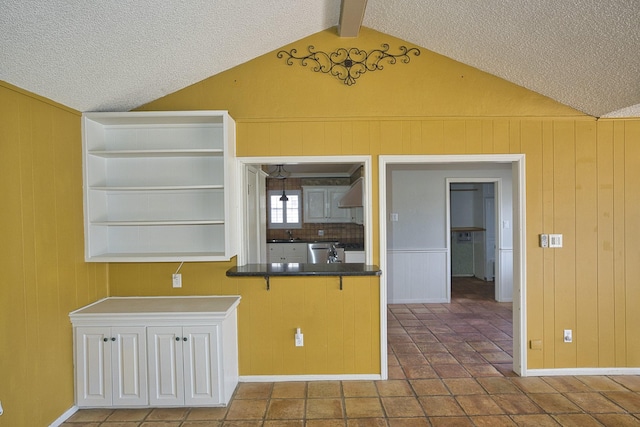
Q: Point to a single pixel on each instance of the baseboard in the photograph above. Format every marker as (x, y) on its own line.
(285, 378)
(581, 371)
(64, 417)
(420, 301)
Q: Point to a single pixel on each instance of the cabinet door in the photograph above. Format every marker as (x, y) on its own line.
(315, 204)
(166, 379)
(201, 365)
(295, 252)
(275, 252)
(337, 214)
(129, 366)
(93, 366)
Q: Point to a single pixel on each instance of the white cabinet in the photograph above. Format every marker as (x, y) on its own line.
(182, 365)
(156, 351)
(321, 204)
(354, 257)
(111, 366)
(157, 186)
(287, 252)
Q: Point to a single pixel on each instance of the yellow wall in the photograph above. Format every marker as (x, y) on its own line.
(44, 276)
(581, 178)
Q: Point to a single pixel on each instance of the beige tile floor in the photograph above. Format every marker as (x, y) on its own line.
(449, 365)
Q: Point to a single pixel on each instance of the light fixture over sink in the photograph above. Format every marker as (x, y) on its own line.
(282, 174)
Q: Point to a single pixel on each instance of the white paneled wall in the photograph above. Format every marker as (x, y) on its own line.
(417, 276)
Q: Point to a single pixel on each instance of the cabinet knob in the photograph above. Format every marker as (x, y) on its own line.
(105, 339)
(177, 338)
(184, 339)
(113, 338)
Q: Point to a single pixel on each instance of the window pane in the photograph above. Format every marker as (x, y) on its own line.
(277, 210)
(293, 209)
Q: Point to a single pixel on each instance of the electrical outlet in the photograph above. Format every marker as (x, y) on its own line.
(320, 232)
(568, 335)
(177, 280)
(299, 337)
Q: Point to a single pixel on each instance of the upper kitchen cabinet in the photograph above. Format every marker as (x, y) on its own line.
(321, 204)
(158, 186)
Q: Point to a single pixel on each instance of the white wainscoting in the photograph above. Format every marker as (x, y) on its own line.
(417, 276)
(504, 291)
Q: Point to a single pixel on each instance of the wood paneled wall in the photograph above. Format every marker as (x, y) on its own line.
(44, 276)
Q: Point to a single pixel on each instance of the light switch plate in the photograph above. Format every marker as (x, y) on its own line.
(555, 240)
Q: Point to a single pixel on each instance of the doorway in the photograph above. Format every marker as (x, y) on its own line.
(514, 166)
(480, 237)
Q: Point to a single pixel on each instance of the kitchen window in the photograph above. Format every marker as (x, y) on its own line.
(285, 213)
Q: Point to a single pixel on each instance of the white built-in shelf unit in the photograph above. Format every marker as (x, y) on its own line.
(158, 186)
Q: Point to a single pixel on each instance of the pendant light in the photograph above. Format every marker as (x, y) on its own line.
(280, 173)
(284, 197)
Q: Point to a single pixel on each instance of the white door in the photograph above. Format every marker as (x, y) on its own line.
(490, 238)
(93, 366)
(129, 366)
(201, 359)
(166, 379)
(255, 222)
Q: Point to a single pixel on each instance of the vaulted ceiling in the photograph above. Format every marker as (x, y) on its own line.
(95, 55)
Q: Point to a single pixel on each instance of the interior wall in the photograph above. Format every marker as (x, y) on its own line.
(41, 256)
(417, 242)
(581, 180)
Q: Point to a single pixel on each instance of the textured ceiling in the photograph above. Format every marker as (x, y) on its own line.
(116, 55)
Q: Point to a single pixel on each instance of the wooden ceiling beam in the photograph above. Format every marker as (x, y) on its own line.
(351, 15)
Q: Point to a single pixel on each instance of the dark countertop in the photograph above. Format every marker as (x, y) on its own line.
(283, 269)
(348, 246)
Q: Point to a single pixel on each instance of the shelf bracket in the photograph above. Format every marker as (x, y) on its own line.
(266, 278)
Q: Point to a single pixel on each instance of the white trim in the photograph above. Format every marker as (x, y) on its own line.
(517, 162)
(64, 417)
(285, 378)
(581, 371)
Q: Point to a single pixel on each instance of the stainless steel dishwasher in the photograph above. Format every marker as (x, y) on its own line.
(324, 252)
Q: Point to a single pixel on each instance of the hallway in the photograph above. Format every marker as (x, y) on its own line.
(449, 365)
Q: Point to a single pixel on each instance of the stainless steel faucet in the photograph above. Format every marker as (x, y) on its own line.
(290, 234)
(333, 255)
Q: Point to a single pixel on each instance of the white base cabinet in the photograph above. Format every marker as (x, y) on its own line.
(156, 351)
(111, 366)
(182, 365)
(287, 252)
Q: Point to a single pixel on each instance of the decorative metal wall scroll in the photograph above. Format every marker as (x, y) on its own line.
(348, 64)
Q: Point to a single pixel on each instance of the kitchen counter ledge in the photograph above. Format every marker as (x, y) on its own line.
(293, 269)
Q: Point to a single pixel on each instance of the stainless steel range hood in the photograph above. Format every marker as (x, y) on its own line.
(353, 197)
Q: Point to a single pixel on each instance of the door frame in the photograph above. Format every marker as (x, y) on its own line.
(517, 162)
